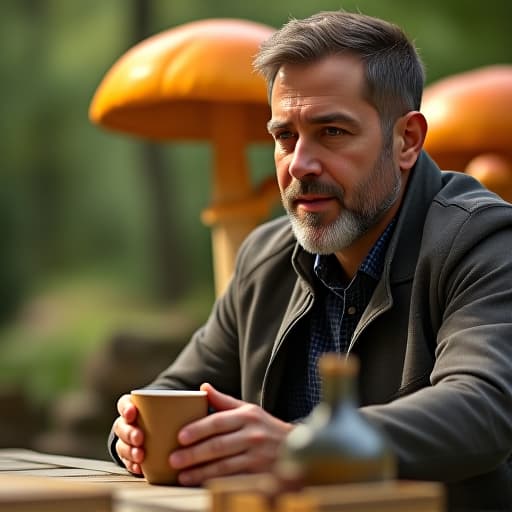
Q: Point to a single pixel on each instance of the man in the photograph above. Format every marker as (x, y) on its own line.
(381, 255)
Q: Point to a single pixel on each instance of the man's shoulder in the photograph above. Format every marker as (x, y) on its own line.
(465, 192)
(467, 213)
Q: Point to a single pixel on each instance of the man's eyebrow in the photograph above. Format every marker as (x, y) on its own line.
(273, 125)
(332, 117)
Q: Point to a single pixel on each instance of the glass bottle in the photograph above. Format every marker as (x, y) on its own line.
(336, 443)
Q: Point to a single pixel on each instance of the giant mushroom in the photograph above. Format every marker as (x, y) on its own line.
(470, 125)
(196, 82)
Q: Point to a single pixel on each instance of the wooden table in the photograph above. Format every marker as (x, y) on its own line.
(37, 482)
(32, 481)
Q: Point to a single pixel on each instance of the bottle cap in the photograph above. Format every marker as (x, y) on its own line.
(332, 363)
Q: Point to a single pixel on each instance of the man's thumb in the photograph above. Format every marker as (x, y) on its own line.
(219, 401)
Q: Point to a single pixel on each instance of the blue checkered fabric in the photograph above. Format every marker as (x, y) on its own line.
(336, 313)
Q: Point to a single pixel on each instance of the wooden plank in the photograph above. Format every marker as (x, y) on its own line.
(124, 480)
(263, 493)
(72, 485)
(151, 498)
(62, 460)
(41, 494)
(57, 472)
(160, 491)
(226, 489)
(250, 502)
(19, 465)
(368, 497)
(160, 504)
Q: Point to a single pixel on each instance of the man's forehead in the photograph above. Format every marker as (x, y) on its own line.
(301, 99)
(304, 94)
(331, 90)
(331, 76)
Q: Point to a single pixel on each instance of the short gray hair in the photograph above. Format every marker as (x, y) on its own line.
(394, 72)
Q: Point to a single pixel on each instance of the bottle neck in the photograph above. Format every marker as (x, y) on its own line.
(339, 388)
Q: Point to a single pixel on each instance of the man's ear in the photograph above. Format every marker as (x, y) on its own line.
(410, 132)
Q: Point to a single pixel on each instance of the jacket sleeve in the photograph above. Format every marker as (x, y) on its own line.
(461, 425)
(228, 350)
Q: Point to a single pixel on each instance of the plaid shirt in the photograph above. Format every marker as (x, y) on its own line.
(335, 315)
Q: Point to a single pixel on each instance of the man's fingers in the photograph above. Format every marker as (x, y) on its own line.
(130, 437)
(128, 433)
(133, 468)
(221, 422)
(214, 448)
(240, 438)
(225, 434)
(226, 419)
(129, 454)
(220, 401)
(126, 409)
(241, 463)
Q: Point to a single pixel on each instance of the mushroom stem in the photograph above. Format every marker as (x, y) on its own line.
(231, 184)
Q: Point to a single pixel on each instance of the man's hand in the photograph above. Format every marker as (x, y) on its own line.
(238, 438)
(130, 437)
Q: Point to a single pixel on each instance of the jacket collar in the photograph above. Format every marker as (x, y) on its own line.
(424, 183)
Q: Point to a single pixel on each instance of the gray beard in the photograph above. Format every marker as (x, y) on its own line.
(318, 239)
(350, 225)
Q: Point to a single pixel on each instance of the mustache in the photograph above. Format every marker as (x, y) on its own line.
(299, 188)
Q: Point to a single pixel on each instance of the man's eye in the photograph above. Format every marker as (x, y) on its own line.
(333, 131)
(283, 135)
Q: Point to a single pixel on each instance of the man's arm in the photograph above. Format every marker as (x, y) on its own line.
(461, 425)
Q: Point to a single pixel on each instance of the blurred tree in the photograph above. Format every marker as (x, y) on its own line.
(169, 275)
(12, 280)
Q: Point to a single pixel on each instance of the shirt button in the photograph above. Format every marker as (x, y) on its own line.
(351, 310)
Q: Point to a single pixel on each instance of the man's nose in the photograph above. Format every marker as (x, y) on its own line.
(304, 161)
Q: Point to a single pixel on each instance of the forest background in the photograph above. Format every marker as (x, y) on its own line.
(100, 232)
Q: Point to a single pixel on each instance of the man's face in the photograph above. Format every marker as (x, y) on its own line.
(337, 176)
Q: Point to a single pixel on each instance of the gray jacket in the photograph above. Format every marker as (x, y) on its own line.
(435, 341)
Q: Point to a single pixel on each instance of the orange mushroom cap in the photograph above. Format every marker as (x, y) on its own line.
(163, 87)
(468, 114)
